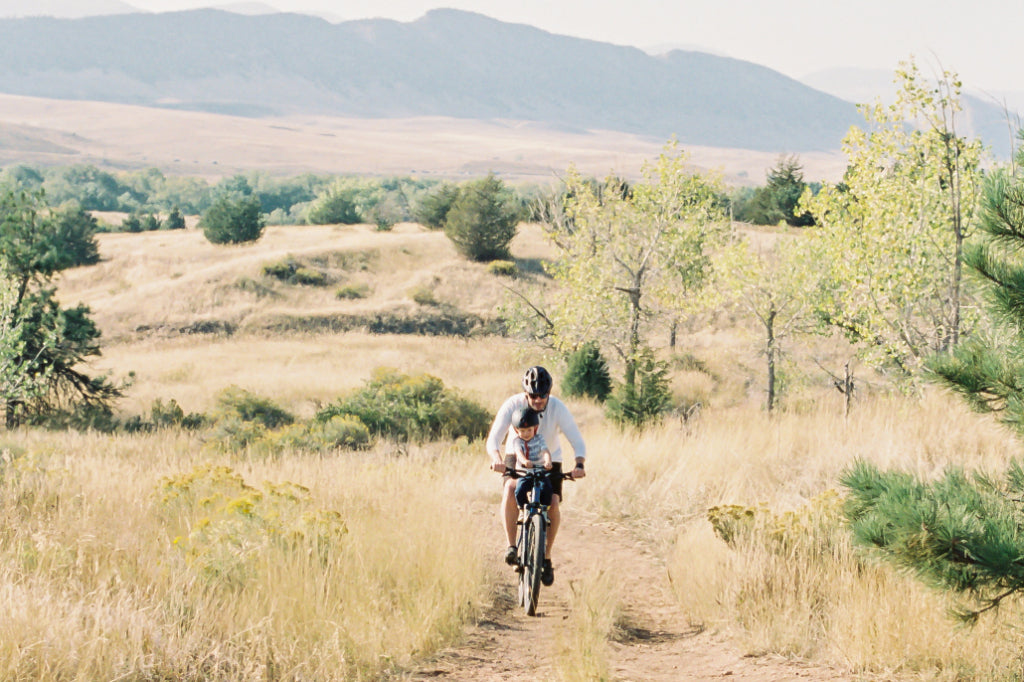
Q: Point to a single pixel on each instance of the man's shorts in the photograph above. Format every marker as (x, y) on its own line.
(554, 482)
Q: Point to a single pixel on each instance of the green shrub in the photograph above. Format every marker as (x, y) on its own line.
(343, 431)
(351, 291)
(235, 402)
(131, 223)
(423, 295)
(587, 374)
(385, 213)
(175, 220)
(149, 222)
(233, 221)
(309, 277)
(503, 268)
(433, 208)
(293, 272)
(170, 415)
(231, 433)
(75, 237)
(337, 206)
(282, 270)
(407, 407)
(646, 400)
(80, 417)
(482, 221)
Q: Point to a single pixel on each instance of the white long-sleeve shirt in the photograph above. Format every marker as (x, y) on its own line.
(554, 420)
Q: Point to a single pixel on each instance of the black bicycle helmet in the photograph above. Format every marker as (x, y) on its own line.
(537, 381)
(525, 417)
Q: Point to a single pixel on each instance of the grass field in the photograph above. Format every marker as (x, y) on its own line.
(153, 556)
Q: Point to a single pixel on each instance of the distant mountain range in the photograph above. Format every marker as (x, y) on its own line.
(448, 63)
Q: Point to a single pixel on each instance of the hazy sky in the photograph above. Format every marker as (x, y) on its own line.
(978, 39)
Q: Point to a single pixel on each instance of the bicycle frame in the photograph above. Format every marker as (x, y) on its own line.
(531, 541)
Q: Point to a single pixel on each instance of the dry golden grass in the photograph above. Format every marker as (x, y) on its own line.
(93, 585)
(595, 611)
(167, 281)
(118, 560)
(825, 601)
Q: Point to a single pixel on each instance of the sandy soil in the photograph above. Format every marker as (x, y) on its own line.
(657, 644)
(58, 132)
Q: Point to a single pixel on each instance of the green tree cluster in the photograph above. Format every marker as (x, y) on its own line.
(148, 222)
(42, 343)
(286, 200)
(336, 206)
(777, 201)
(632, 258)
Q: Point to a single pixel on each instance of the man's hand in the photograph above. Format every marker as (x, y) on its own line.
(498, 466)
(579, 471)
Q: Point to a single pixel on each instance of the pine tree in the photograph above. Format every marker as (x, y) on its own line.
(988, 370)
(43, 345)
(965, 533)
(646, 399)
(482, 221)
(587, 374)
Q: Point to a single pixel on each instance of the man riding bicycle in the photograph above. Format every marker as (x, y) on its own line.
(555, 419)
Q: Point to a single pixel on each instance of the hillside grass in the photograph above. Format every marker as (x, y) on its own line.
(789, 582)
(149, 556)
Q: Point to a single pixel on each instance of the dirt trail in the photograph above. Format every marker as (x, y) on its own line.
(658, 645)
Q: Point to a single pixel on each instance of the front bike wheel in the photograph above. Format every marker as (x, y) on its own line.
(533, 563)
(521, 544)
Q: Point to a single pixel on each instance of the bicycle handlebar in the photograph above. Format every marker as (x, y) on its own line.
(536, 471)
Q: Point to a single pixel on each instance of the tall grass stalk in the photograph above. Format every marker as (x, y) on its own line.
(594, 608)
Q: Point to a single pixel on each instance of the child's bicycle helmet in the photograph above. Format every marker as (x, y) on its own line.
(525, 417)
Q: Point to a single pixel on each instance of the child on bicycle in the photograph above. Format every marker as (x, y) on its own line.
(530, 451)
(528, 445)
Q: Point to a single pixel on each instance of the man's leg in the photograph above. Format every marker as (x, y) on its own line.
(547, 575)
(555, 516)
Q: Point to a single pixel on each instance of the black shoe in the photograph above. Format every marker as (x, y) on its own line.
(547, 573)
(510, 556)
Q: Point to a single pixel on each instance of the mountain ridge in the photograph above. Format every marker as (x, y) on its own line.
(448, 63)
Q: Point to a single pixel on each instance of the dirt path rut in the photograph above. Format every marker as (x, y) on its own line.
(656, 645)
